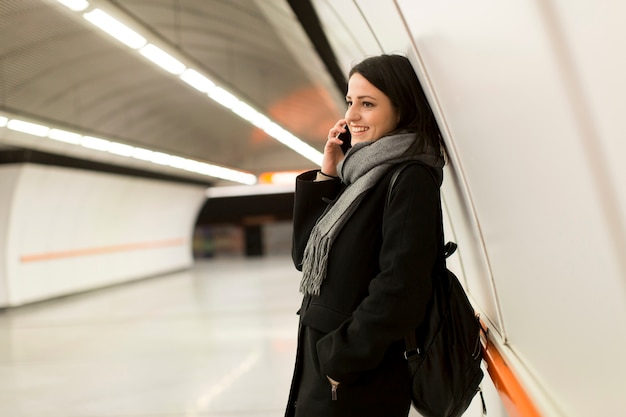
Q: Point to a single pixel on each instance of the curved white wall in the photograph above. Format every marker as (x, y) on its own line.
(65, 230)
(529, 95)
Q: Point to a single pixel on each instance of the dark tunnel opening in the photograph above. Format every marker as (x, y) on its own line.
(251, 225)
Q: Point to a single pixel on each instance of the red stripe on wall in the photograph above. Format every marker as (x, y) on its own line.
(45, 256)
(512, 394)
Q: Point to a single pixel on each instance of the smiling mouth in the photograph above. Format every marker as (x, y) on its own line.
(359, 129)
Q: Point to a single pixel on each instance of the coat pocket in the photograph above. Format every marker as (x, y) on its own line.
(322, 318)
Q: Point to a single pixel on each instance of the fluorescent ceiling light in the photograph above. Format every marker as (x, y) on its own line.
(304, 149)
(261, 121)
(75, 5)
(226, 173)
(294, 143)
(121, 149)
(95, 143)
(245, 111)
(197, 80)
(223, 97)
(248, 113)
(115, 28)
(161, 158)
(65, 136)
(27, 127)
(220, 172)
(191, 165)
(162, 59)
(143, 154)
(240, 190)
(277, 132)
(177, 162)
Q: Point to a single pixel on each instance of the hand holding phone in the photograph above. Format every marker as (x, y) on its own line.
(346, 139)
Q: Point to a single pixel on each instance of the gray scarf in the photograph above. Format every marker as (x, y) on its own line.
(364, 165)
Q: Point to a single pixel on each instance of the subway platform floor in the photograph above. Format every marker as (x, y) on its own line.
(216, 340)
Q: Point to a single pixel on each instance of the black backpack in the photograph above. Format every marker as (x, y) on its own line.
(444, 354)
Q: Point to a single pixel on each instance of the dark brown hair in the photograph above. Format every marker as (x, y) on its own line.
(395, 77)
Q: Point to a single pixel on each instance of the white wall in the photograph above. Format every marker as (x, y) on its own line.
(8, 180)
(529, 95)
(65, 230)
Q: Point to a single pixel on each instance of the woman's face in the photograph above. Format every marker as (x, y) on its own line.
(370, 114)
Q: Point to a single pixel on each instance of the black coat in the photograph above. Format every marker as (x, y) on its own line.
(377, 287)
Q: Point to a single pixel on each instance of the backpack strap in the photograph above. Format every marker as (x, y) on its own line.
(413, 352)
(398, 170)
(450, 247)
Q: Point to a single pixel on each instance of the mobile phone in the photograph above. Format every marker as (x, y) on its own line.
(346, 139)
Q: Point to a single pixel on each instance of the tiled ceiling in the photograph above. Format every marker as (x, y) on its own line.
(58, 68)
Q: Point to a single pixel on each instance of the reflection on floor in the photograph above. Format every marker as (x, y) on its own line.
(217, 340)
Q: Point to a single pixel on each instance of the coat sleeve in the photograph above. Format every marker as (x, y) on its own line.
(310, 200)
(399, 294)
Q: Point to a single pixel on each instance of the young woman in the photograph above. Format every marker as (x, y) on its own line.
(367, 262)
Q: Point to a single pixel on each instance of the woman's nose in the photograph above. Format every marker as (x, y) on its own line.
(351, 114)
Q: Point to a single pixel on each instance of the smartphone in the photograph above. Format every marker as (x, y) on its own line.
(346, 138)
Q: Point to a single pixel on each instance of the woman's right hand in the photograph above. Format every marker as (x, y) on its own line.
(332, 150)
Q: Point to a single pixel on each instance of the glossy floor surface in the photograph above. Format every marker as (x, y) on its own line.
(217, 340)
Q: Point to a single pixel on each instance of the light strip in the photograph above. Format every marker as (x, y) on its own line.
(115, 28)
(75, 5)
(162, 59)
(246, 112)
(142, 154)
(221, 172)
(177, 162)
(28, 127)
(197, 80)
(65, 136)
(257, 189)
(293, 142)
(161, 158)
(121, 149)
(95, 143)
(223, 97)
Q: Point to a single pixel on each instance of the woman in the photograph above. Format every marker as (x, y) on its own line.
(366, 262)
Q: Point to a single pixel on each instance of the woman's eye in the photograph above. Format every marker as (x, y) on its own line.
(367, 104)
(349, 103)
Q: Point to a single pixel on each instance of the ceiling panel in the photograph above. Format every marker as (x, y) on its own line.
(58, 68)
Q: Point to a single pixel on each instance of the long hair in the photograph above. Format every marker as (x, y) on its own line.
(395, 77)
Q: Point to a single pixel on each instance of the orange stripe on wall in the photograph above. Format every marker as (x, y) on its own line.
(36, 257)
(513, 396)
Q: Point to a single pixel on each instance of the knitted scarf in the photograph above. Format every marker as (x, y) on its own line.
(364, 165)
